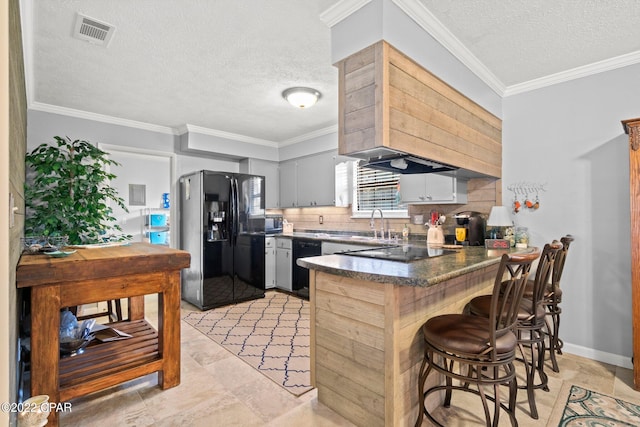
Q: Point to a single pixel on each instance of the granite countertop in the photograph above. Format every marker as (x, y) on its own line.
(423, 273)
(347, 237)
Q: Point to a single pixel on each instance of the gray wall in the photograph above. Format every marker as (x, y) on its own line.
(569, 137)
(383, 19)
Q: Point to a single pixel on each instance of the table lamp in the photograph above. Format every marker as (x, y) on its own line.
(499, 217)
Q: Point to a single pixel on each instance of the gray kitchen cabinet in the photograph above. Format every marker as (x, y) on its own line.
(432, 188)
(284, 267)
(271, 176)
(269, 262)
(288, 184)
(308, 181)
(316, 180)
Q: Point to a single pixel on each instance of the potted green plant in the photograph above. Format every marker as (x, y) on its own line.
(67, 192)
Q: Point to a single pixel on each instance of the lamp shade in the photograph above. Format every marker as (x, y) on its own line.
(301, 97)
(499, 217)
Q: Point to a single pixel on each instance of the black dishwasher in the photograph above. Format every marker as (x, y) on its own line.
(300, 277)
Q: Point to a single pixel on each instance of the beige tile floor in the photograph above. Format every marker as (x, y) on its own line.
(218, 389)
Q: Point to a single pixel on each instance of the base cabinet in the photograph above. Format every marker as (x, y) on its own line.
(284, 265)
(269, 263)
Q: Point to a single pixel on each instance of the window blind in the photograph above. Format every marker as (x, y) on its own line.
(377, 189)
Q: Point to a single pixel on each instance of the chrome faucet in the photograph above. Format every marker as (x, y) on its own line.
(373, 224)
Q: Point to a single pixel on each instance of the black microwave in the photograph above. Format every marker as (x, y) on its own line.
(273, 224)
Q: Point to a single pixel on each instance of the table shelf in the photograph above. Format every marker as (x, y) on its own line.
(102, 359)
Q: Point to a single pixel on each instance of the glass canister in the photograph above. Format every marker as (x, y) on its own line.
(509, 234)
(522, 237)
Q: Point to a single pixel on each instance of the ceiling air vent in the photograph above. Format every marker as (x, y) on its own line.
(93, 31)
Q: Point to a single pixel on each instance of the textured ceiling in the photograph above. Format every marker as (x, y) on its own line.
(523, 40)
(222, 64)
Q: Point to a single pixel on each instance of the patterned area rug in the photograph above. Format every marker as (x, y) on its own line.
(271, 334)
(588, 408)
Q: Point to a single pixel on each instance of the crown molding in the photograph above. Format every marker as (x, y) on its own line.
(55, 109)
(227, 135)
(180, 130)
(575, 73)
(310, 135)
(341, 10)
(432, 25)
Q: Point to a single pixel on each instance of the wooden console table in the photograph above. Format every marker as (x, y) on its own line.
(93, 275)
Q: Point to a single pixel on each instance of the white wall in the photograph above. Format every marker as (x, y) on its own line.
(152, 171)
(569, 136)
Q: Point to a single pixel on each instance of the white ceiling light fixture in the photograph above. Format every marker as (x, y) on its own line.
(301, 97)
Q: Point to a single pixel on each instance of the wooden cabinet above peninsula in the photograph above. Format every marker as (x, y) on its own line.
(387, 101)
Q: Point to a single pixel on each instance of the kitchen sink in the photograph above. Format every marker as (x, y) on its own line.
(403, 253)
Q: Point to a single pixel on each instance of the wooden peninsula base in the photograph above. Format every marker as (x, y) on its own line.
(367, 345)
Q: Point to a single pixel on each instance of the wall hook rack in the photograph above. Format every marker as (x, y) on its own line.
(526, 191)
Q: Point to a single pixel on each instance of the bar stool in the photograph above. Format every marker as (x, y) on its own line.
(486, 347)
(553, 298)
(530, 323)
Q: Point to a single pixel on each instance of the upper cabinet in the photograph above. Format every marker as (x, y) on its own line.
(311, 181)
(316, 180)
(270, 172)
(288, 184)
(389, 102)
(440, 188)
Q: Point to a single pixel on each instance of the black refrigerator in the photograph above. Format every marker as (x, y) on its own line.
(222, 220)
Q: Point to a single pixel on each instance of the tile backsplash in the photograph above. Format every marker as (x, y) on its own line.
(482, 194)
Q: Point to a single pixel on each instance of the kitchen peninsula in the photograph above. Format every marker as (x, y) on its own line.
(366, 315)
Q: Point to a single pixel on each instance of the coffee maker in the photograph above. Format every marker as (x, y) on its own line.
(474, 224)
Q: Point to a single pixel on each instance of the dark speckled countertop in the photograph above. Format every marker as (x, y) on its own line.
(423, 273)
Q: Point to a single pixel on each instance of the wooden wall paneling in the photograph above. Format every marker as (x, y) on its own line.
(632, 127)
(17, 146)
(434, 107)
(414, 112)
(419, 73)
(382, 100)
(312, 326)
(356, 101)
(349, 346)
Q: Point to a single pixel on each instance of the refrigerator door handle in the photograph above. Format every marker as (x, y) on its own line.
(234, 212)
(232, 209)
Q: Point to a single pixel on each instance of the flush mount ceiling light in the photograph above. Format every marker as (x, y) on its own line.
(301, 97)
